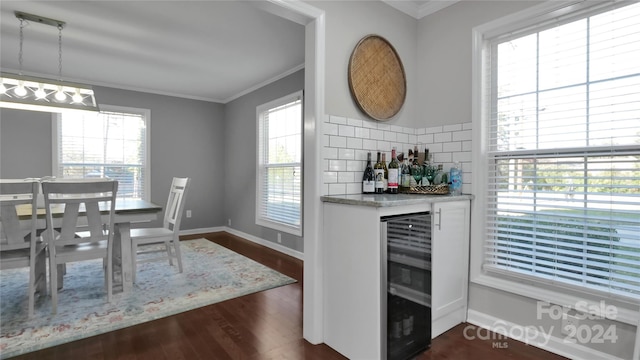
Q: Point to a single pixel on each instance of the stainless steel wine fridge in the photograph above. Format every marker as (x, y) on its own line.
(406, 284)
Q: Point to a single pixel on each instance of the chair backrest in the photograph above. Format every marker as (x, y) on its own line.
(175, 204)
(84, 201)
(15, 194)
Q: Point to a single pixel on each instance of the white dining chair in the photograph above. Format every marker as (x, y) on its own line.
(87, 226)
(168, 234)
(19, 244)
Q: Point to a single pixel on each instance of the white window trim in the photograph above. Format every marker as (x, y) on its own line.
(627, 311)
(111, 108)
(293, 230)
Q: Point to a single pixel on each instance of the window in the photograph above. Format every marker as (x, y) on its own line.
(561, 153)
(112, 143)
(279, 165)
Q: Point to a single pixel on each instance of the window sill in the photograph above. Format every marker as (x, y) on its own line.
(626, 313)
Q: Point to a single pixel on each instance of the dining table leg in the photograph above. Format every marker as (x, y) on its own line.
(122, 268)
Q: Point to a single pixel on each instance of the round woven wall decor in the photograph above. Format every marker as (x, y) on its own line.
(376, 78)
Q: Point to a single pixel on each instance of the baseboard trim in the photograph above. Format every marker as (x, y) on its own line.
(554, 344)
(202, 230)
(263, 242)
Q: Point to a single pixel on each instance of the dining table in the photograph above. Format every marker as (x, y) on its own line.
(127, 212)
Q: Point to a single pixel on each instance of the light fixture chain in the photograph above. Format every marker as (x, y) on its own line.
(21, 40)
(60, 52)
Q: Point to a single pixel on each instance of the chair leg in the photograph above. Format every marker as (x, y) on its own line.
(109, 276)
(167, 247)
(53, 275)
(176, 243)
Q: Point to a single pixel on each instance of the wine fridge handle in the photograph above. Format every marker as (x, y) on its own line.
(439, 212)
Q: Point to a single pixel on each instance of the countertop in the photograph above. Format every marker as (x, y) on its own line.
(386, 200)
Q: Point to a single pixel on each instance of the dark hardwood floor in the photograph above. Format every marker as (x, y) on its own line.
(264, 325)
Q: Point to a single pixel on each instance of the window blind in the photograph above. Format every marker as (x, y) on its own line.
(104, 145)
(280, 165)
(563, 150)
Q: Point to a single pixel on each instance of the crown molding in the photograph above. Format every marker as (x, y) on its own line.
(427, 7)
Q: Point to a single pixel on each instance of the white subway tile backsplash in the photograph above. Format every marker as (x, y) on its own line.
(425, 139)
(337, 141)
(435, 148)
(396, 128)
(462, 135)
(368, 124)
(361, 132)
(347, 141)
(402, 138)
(354, 122)
(337, 119)
(331, 129)
(346, 176)
(354, 165)
(441, 158)
(354, 188)
(441, 137)
(433, 130)
(346, 130)
(384, 146)
(390, 136)
(346, 154)
(377, 134)
(337, 165)
(330, 177)
(456, 127)
(369, 145)
(354, 143)
(462, 156)
(330, 153)
(337, 189)
(452, 146)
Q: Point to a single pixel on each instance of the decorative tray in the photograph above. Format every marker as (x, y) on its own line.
(441, 189)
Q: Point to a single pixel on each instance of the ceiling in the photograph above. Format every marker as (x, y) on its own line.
(205, 50)
(208, 50)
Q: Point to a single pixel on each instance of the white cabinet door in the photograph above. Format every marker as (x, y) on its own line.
(450, 264)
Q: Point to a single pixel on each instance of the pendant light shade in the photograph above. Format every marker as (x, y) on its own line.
(40, 94)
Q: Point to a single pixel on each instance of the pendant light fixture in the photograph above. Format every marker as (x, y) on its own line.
(18, 91)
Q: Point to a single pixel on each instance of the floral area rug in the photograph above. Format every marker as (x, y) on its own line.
(211, 274)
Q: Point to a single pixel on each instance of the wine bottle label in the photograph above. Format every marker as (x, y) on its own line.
(379, 182)
(368, 186)
(393, 178)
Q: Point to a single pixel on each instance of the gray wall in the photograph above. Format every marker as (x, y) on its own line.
(25, 144)
(240, 152)
(186, 140)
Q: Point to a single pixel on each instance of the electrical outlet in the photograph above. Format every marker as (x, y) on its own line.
(188, 213)
(570, 324)
(279, 238)
(229, 222)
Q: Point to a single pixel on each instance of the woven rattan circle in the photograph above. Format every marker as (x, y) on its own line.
(376, 78)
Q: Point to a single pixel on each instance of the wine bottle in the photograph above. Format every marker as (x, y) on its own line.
(405, 174)
(394, 169)
(386, 172)
(428, 172)
(378, 171)
(368, 178)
